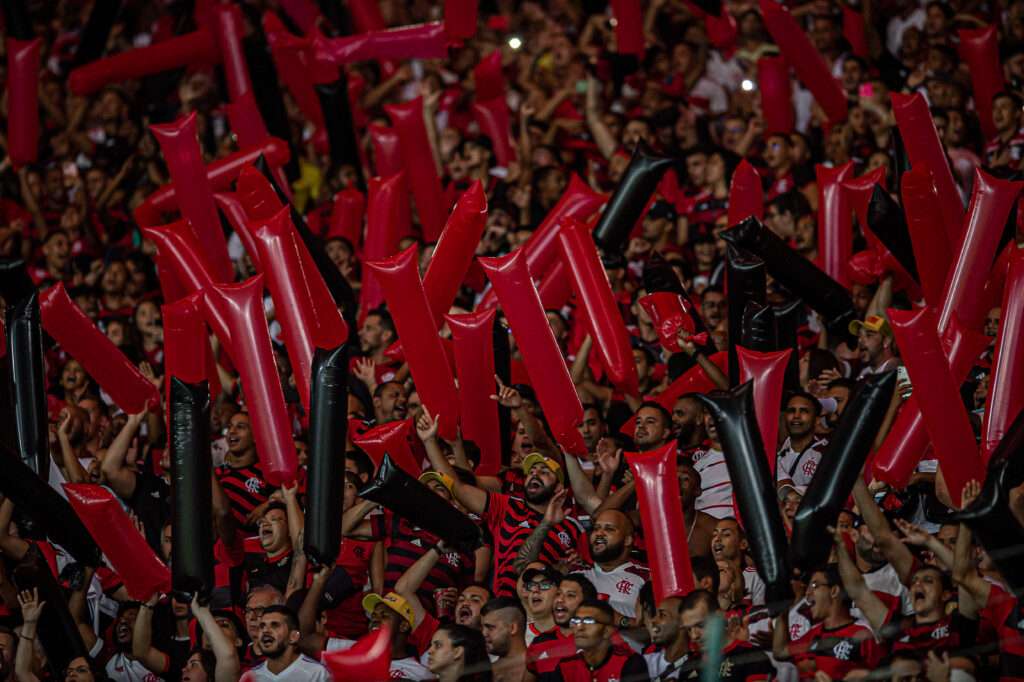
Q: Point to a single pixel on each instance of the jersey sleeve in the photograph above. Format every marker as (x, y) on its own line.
(497, 503)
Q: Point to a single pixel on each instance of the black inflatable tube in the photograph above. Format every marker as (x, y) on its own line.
(28, 385)
(628, 201)
(746, 281)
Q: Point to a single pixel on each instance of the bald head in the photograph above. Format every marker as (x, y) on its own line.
(611, 538)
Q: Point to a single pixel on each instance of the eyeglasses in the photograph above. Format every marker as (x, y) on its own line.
(77, 669)
(576, 622)
(253, 611)
(543, 586)
(266, 522)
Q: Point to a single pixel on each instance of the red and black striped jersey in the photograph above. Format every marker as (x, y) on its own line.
(245, 487)
(1005, 613)
(837, 651)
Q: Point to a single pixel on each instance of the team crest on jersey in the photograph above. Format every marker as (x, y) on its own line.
(842, 650)
(563, 538)
(940, 632)
(253, 485)
(809, 467)
(725, 670)
(624, 587)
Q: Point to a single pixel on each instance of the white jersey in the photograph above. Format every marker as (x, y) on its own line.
(799, 466)
(401, 669)
(621, 585)
(657, 665)
(716, 486)
(885, 581)
(753, 586)
(302, 669)
(122, 669)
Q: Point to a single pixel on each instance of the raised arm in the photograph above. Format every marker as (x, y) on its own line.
(310, 641)
(964, 573)
(602, 135)
(853, 582)
(11, 545)
(155, 661)
(415, 575)
(510, 398)
(31, 609)
(228, 668)
(76, 606)
(896, 553)
(472, 497)
(353, 522)
(119, 477)
(553, 515)
(73, 470)
(916, 535)
(296, 525)
(582, 488)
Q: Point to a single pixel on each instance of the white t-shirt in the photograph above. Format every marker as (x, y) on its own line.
(886, 581)
(401, 669)
(302, 669)
(621, 585)
(753, 585)
(716, 486)
(799, 466)
(656, 665)
(121, 669)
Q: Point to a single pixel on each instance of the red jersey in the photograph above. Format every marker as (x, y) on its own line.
(621, 663)
(1005, 613)
(348, 618)
(547, 650)
(837, 651)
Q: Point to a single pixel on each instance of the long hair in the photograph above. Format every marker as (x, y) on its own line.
(476, 664)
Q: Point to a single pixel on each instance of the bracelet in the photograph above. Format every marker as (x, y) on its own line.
(438, 550)
(144, 605)
(23, 636)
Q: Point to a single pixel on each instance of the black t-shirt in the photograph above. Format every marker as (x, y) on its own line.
(151, 502)
(741, 662)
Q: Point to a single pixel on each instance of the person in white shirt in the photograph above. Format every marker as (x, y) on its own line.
(716, 486)
(729, 544)
(798, 459)
(613, 574)
(672, 640)
(278, 634)
(876, 345)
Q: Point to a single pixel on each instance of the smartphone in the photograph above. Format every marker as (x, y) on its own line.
(581, 86)
(866, 90)
(903, 375)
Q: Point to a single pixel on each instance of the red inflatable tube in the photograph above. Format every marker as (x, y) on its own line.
(835, 222)
(308, 315)
(257, 195)
(1006, 387)
(858, 192)
(170, 287)
(422, 41)
(387, 157)
(768, 370)
(979, 47)
(416, 155)
(240, 307)
(590, 283)
(747, 195)
(454, 252)
(228, 32)
(853, 31)
(198, 47)
(554, 288)
(347, 213)
(22, 101)
(931, 250)
(391, 439)
(668, 313)
(232, 207)
(184, 253)
(303, 12)
(245, 120)
(123, 545)
(629, 27)
(661, 510)
(992, 294)
(990, 208)
(938, 397)
(82, 339)
(492, 117)
(488, 78)
(387, 213)
(185, 338)
(399, 279)
(366, 15)
(693, 381)
(293, 57)
(474, 366)
(368, 659)
(722, 30)
(511, 279)
(805, 60)
(776, 95)
(460, 19)
(896, 460)
(580, 202)
(220, 174)
(921, 141)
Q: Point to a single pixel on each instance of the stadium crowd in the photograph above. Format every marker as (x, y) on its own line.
(559, 586)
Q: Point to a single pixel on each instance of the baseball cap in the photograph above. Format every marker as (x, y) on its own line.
(394, 602)
(446, 481)
(873, 323)
(785, 488)
(662, 209)
(537, 458)
(546, 573)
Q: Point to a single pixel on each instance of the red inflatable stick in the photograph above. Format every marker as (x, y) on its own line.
(422, 41)
(492, 117)
(198, 47)
(368, 659)
(232, 208)
(187, 352)
(245, 120)
(835, 222)
(991, 203)
(392, 439)
(695, 380)
(220, 174)
(924, 222)
(805, 60)
(293, 57)
(979, 47)
(387, 213)
(228, 32)
(454, 252)
(661, 510)
(488, 78)
(419, 159)
(101, 359)
(511, 279)
(170, 287)
(474, 366)
(776, 95)
(1006, 387)
(746, 194)
(922, 144)
(366, 15)
(22, 101)
(668, 313)
(460, 19)
(122, 543)
(182, 251)
(302, 303)
(257, 194)
(589, 281)
(722, 30)
(768, 370)
(554, 288)
(400, 280)
(858, 192)
(387, 156)
(938, 396)
(629, 27)
(347, 213)
(303, 12)
(853, 31)
(239, 307)
(896, 460)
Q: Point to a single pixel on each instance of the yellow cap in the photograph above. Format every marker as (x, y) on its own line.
(446, 481)
(394, 602)
(873, 323)
(537, 458)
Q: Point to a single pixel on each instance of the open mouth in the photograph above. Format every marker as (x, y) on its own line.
(561, 611)
(464, 614)
(717, 548)
(600, 543)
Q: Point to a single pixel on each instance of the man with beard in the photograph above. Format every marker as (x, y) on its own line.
(241, 476)
(390, 403)
(377, 334)
(547, 649)
(615, 577)
(875, 345)
(714, 306)
(689, 426)
(798, 458)
(259, 599)
(840, 391)
(729, 544)
(503, 624)
(716, 487)
(123, 666)
(653, 427)
(279, 633)
(673, 642)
